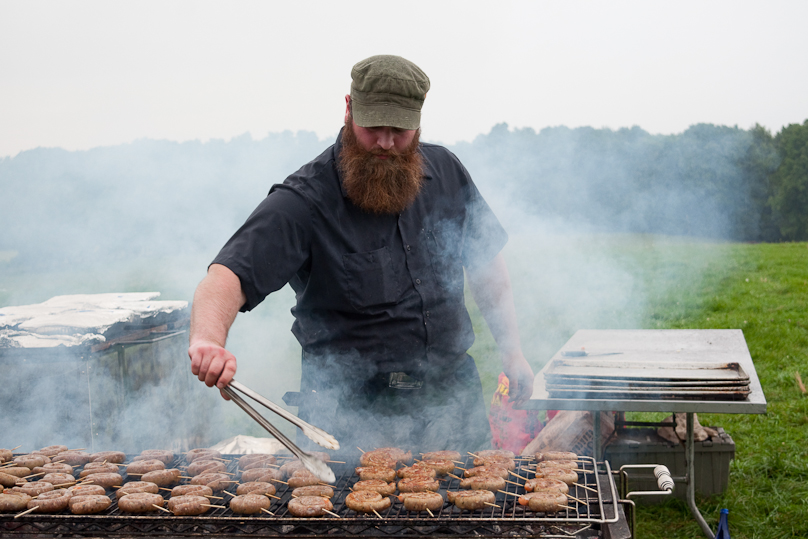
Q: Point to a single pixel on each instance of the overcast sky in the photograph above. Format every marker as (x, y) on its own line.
(88, 73)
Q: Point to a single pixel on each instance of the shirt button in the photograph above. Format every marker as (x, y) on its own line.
(427, 314)
(408, 247)
(417, 281)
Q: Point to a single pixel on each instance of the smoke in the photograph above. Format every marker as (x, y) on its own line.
(152, 215)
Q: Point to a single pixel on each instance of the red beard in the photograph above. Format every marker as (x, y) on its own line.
(380, 186)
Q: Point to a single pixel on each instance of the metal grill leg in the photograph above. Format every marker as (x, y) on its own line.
(690, 455)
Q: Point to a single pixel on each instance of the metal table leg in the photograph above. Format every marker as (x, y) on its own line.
(596, 449)
(690, 456)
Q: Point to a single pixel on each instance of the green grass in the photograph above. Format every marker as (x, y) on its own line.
(676, 284)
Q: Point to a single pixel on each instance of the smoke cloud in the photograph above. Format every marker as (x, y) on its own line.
(152, 215)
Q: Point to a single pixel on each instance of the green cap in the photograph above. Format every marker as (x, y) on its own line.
(388, 91)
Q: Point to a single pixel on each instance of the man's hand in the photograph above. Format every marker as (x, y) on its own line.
(520, 377)
(212, 364)
(216, 303)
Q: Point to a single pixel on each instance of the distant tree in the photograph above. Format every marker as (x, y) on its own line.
(789, 198)
(754, 220)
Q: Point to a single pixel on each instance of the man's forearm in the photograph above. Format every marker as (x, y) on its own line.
(491, 288)
(217, 301)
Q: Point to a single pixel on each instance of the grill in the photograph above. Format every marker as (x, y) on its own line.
(593, 518)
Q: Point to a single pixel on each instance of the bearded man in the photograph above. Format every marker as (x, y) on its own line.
(373, 236)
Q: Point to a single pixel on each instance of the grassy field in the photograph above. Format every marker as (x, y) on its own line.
(763, 290)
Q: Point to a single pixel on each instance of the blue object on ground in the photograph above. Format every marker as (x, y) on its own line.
(722, 532)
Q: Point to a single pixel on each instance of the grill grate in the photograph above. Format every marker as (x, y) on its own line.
(508, 520)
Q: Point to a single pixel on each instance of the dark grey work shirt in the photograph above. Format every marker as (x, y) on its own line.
(381, 292)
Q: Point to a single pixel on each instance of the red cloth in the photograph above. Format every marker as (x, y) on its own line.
(511, 429)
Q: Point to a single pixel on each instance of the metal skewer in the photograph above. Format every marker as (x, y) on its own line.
(312, 463)
(316, 435)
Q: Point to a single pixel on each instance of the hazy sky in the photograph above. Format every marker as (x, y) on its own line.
(88, 73)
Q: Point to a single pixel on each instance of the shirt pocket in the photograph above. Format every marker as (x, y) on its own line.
(444, 244)
(371, 278)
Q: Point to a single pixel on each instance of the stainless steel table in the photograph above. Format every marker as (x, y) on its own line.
(663, 345)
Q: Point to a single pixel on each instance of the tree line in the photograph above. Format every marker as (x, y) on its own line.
(709, 181)
(160, 198)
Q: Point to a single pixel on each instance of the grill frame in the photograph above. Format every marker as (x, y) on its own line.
(511, 520)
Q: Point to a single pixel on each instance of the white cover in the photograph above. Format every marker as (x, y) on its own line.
(78, 319)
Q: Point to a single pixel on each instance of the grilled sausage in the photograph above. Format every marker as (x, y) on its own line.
(539, 484)
(202, 453)
(399, 455)
(367, 501)
(555, 455)
(13, 502)
(114, 457)
(416, 470)
(249, 504)
(256, 487)
(500, 462)
(216, 481)
(74, 458)
(256, 460)
(309, 506)
(59, 480)
(135, 487)
(17, 471)
(471, 500)
(31, 461)
(545, 501)
(441, 466)
(140, 502)
(52, 450)
(97, 467)
(568, 476)
(303, 478)
(140, 467)
(156, 454)
(33, 489)
(8, 480)
(418, 484)
(315, 490)
(51, 502)
(565, 464)
(162, 478)
(438, 455)
(291, 467)
(421, 501)
(495, 453)
(261, 474)
(53, 467)
(379, 473)
(106, 480)
(483, 482)
(191, 490)
(188, 505)
(86, 490)
(89, 504)
(6, 455)
(201, 466)
(385, 489)
(496, 471)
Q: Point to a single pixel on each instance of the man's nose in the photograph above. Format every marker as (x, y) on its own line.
(385, 138)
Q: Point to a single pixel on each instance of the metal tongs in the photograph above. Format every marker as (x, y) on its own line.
(319, 436)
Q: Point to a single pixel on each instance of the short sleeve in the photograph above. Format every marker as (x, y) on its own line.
(271, 246)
